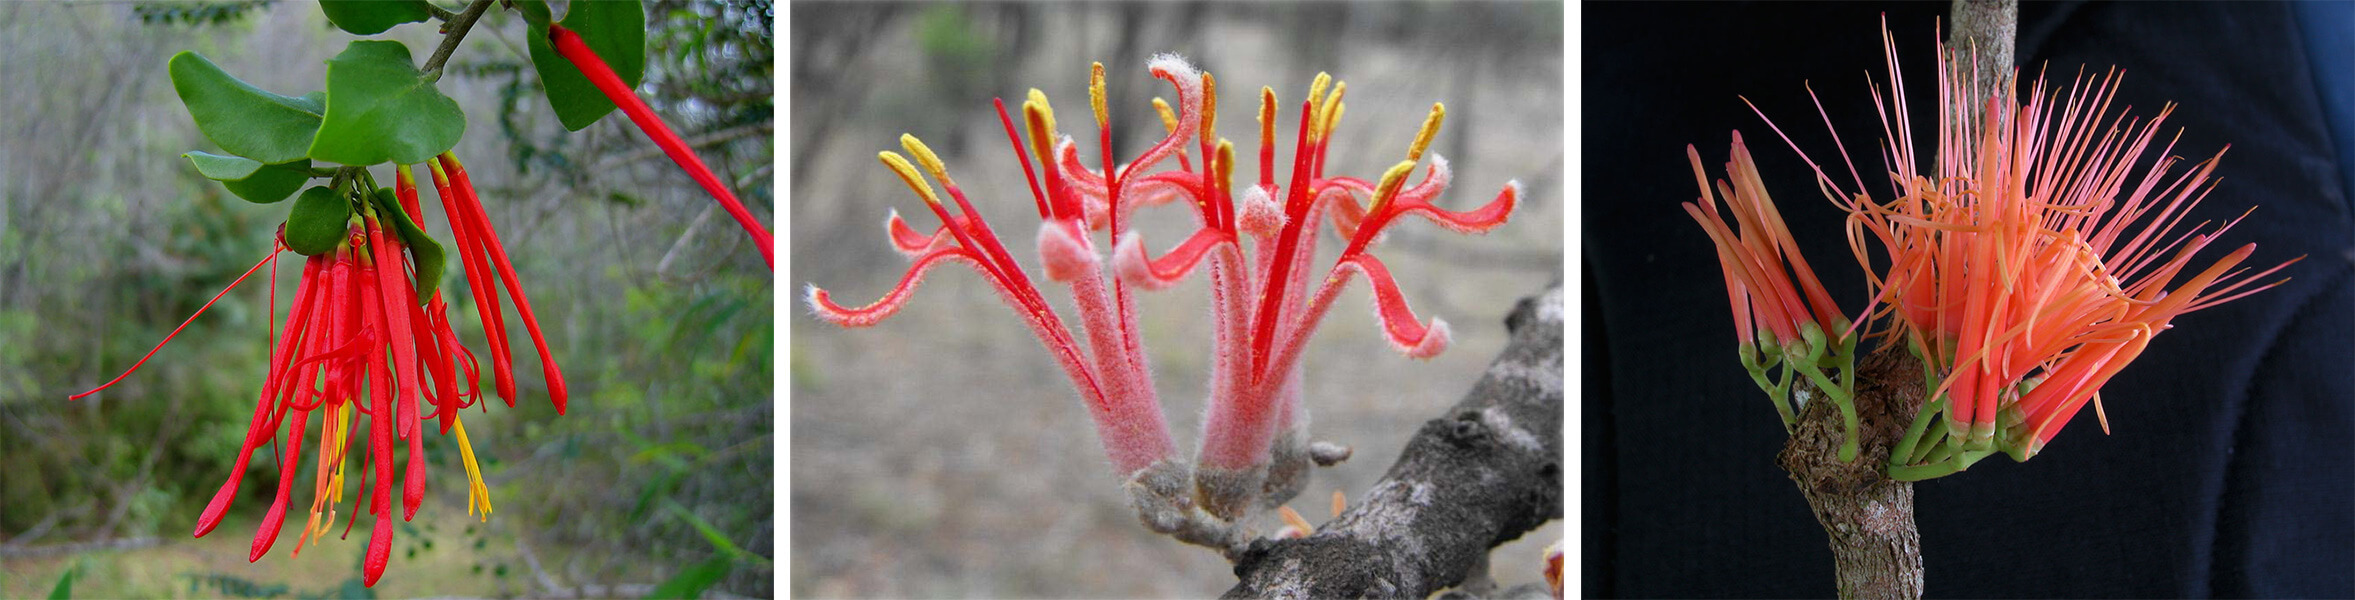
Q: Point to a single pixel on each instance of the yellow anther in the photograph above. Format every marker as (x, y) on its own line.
(907, 173)
(1209, 106)
(1316, 110)
(1168, 117)
(1430, 129)
(1041, 120)
(1391, 181)
(1333, 117)
(924, 156)
(1096, 95)
(476, 492)
(1328, 112)
(1267, 116)
(1226, 164)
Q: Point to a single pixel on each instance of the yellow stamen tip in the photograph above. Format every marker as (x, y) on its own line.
(1041, 121)
(1209, 106)
(1226, 163)
(1096, 95)
(1267, 116)
(907, 173)
(1169, 121)
(924, 156)
(1332, 118)
(1316, 106)
(1430, 129)
(1391, 181)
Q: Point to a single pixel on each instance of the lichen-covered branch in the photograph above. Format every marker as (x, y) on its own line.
(1482, 475)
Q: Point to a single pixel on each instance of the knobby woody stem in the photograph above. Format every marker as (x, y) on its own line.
(1486, 472)
(1876, 550)
(1992, 28)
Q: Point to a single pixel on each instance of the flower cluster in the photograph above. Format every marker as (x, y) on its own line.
(369, 334)
(1254, 450)
(2025, 271)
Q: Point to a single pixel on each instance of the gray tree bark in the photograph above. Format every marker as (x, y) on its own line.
(1483, 474)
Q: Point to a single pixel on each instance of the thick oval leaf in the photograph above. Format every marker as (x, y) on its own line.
(423, 250)
(615, 30)
(381, 109)
(371, 17)
(222, 168)
(318, 221)
(272, 183)
(244, 120)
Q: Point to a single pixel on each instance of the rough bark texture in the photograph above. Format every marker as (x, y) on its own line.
(1992, 28)
(1484, 474)
(1875, 548)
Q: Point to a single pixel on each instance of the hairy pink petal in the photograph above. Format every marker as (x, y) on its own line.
(822, 303)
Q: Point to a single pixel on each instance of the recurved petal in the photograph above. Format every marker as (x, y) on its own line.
(911, 243)
(1399, 324)
(1478, 220)
(822, 303)
(1130, 261)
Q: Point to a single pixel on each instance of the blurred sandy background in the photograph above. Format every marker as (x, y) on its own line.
(941, 453)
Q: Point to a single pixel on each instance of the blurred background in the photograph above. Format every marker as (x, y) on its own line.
(657, 309)
(941, 453)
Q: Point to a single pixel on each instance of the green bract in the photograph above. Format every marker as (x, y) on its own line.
(371, 17)
(423, 250)
(244, 120)
(318, 221)
(615, 30)
(380, 108)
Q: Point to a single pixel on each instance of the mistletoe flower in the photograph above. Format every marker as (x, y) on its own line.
(360, 339)
(2034, 263)
(1254, 450)
(487, 267)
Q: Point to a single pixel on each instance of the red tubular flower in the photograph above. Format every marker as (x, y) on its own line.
(1264, 309)
(570, 46)
(357, 340)
(479, 245)
(2028, 268)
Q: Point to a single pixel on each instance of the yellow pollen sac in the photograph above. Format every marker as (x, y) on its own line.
(1096, 95)
(1267, 116)
(1041, 120)
(1226, 164)
(924, 156)
(1329, 111)
(1209, 106)
(1430, 129)
(907, 173)
(476, 492)
(1316, 107)
(1168, 118)
(1391, 181)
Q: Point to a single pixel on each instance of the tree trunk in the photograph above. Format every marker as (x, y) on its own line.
(1875, 548)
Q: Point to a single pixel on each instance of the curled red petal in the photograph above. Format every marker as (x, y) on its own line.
(822, 303)
(1130, 261)
(1399, 324)
(911, 243)
(1478, 220)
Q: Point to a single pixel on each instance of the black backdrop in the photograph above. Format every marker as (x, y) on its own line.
(2230, 472)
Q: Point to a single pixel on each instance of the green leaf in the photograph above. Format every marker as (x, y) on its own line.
(272, 183)
(616, 31)
(249, 178)
(381, 109)
(423, 250)
(244, 120)
(691, 583)
(222, 168)
(318, 221)
(371, 17)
